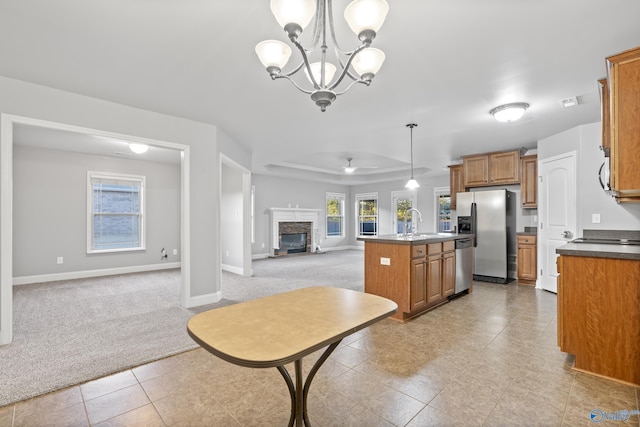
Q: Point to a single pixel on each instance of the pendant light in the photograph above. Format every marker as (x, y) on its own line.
(412, 184)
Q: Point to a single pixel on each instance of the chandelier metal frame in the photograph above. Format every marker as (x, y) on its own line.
(322, 94)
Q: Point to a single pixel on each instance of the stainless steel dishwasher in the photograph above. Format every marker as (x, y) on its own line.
(464, 264)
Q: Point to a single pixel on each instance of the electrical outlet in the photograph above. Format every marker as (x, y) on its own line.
(595, 218)
(385, 261)
(60, 260)
(175, 252)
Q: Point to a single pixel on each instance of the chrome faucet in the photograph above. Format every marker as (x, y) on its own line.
(405, 220)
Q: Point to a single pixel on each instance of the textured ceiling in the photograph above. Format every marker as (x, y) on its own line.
(448, 62)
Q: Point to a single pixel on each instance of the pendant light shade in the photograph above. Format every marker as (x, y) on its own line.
(412, 184)
(316, 70)
(138, 148)
(273, 53)
(366, 15)
(368, 62)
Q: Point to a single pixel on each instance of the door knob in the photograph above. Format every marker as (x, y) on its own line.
(567, 234)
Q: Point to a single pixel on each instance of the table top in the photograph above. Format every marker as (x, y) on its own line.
(279, 329)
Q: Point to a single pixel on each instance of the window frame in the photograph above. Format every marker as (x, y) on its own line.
(341, 198)
(366, 196)
(138, 179)
(438, 192)
(402, 195)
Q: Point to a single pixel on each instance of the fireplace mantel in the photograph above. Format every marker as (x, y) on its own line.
(278, 215)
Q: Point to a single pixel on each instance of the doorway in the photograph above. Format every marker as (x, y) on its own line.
(557, 201)
(9, 123)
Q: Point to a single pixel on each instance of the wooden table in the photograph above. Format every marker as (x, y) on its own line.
(280, 329)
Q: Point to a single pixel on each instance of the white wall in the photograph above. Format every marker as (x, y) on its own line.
(586, 140)
(40, 102)
(426, 202)
(231, 219)
(50, 202)
(275, 192)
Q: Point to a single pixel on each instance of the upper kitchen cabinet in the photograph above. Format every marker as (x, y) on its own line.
(624, 97)
(529, 182)
(456, 183)
(491, 169)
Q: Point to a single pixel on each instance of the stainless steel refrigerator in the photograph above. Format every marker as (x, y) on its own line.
(492, 215)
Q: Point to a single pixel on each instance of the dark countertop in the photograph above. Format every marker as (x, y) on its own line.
(527, 233)
(418, 239)
(596, 250)
(602, 250)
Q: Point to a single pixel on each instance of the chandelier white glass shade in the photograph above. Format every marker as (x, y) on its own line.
(509, 112)
(364, 17)
(412, 184)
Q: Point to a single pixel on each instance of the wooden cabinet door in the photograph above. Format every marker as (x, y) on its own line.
(434, 278)
(529, 183)
(456, 183)
(504, 168)
(624, 87)
(476, 170)
(448, 273)
(418, 286)
(527, 262)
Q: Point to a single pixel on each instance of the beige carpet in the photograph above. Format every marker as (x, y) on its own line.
(70, 332)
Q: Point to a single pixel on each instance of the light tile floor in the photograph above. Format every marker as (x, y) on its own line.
(489, 358)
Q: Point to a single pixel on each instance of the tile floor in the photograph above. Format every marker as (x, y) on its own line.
(489, 358)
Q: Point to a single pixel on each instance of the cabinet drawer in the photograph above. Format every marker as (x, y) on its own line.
(526, 240)
(448, 246)
(418, 251)
(434, 248)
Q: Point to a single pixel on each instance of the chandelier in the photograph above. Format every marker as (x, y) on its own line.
(365, 17)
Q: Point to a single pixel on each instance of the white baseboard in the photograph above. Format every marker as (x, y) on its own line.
(40, 278)
(331, 249)
(232, 269)
(203, 300)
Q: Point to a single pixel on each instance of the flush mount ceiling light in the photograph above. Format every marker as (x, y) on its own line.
(412, 184)
(365, 17)
(138, 148)
(509, 112)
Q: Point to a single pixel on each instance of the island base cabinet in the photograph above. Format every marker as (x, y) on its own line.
(599, 315)
(416, 277)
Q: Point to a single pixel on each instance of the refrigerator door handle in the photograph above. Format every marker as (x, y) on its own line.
(474, 223)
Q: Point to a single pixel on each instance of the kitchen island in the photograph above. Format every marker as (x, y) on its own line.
(599, 306)
(417, 272)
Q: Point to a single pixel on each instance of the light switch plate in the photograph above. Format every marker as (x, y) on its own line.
(385, 261)
(595, 218)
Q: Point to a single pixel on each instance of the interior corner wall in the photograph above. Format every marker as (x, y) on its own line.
(276, 192)
(586, 140)
(29, 100)
(232, 219)
(50, 195)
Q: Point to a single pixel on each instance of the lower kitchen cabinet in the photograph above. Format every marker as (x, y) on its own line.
(418, 277)
(527, 259)
(599, 315)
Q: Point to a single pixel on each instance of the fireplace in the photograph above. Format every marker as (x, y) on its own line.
(287, 221)
(294, 237)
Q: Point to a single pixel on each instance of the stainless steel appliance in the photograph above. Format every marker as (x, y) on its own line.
(492, 220)
(464, 265)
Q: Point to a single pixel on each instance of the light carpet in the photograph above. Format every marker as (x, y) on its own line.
(70, 332)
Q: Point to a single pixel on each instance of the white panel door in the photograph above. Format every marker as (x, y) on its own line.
(557, 210)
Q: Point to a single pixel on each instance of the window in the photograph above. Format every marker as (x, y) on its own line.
(115, 212)
(443, 209)
(402, 202)
(367, 214)
(335, 214)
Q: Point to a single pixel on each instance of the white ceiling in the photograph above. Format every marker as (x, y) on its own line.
(448, 62)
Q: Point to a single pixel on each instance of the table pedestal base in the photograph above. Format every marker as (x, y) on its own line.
(299, 393)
